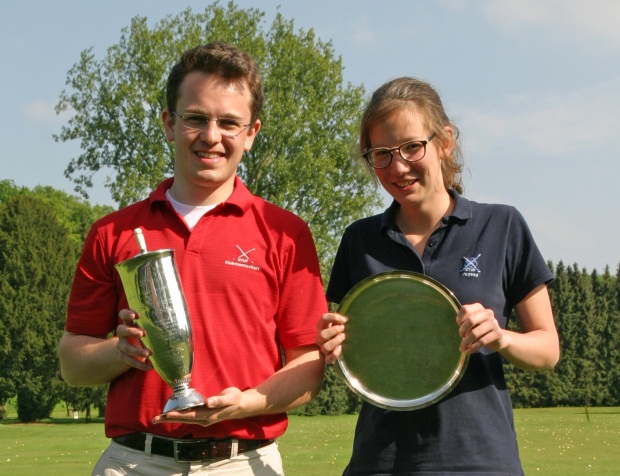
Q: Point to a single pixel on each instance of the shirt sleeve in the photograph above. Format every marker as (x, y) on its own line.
(302, 300)
(523, 257)
(94, 300)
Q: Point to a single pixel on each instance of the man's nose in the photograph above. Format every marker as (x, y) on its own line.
(211, 133)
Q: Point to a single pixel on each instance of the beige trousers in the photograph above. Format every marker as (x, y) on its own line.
(118, 460)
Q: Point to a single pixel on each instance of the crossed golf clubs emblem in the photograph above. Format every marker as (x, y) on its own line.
(471, 265)
(243, 257)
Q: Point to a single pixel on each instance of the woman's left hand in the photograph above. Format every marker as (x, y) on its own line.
(535, 347)
(479, 328)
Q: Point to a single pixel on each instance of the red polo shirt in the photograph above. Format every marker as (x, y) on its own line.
(251, 279)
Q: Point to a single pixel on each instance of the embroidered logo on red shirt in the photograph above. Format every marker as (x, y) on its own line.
(243, 260)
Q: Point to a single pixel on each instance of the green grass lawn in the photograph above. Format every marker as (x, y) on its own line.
(555, 441)
(566, 441)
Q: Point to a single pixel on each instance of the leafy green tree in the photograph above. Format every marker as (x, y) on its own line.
(602, 287)
(37, 260)
(613, 343)
(20, 232)
(74, 213)
(588, 343)
(564, 304)
(83, 398)
(303, 157)
(8, 189)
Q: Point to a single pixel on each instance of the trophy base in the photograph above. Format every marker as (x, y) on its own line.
(184, 400)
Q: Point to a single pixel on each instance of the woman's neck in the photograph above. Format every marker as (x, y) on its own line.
(417, 223)
(423, 218)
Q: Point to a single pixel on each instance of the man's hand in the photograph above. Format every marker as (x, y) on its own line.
(132, 352)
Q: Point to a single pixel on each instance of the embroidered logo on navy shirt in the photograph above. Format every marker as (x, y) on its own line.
(243, 260)
(470, 267)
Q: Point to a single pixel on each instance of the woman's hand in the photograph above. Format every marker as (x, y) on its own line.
(535, 347)
(479, 328)
(331, 335)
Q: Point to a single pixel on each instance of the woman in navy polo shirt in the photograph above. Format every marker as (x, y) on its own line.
(483, 253)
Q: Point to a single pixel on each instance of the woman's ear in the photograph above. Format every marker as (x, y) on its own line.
(447, 143)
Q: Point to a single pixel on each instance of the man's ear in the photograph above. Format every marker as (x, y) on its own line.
(168, 119)
(251, 135)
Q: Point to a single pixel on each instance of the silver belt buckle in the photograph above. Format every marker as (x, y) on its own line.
(178, 444)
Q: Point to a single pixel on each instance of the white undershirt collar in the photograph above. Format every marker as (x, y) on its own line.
(190, 213)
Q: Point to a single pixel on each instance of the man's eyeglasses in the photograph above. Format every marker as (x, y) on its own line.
(410, 151)
(199, 122)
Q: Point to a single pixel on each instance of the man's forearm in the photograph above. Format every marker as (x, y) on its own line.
(87, 361)
(298, 382)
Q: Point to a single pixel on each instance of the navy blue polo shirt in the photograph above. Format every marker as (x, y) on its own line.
(483, 253)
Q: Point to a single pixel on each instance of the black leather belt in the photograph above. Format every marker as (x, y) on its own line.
(186, 451)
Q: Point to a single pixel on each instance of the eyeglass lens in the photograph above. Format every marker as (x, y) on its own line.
(200, 122)
(411, 151)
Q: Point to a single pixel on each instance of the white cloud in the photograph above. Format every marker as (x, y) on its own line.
(362, 34)
(42, 111)
(549, 123)
(572, 21)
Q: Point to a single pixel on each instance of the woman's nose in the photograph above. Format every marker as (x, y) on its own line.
(398, 163)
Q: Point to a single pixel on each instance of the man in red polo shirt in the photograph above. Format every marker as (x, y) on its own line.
(251, 279)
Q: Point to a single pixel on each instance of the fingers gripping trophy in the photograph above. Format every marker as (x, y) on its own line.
(153, 290)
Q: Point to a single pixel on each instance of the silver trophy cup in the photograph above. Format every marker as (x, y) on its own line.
(153, 290)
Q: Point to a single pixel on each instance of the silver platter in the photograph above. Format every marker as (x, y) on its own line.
(401, 350)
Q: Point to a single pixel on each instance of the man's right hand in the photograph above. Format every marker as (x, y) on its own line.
(132, 351)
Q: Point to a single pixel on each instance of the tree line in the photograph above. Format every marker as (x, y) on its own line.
(586, 307)
(41, 232)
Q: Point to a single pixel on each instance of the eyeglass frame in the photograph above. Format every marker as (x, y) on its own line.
(209, 119)
(392, 149)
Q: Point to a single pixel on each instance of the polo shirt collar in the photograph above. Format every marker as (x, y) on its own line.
(159, 194)
(462, 206)
(241, 198)
(461, 211)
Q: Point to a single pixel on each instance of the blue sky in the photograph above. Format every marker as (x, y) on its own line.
(534, 86)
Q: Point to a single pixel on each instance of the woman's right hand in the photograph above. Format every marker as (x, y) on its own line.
(330, 335)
